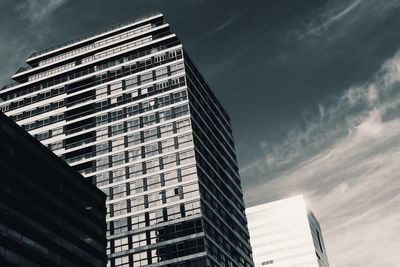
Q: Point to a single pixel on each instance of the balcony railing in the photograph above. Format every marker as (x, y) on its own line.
(115, 50)
(70, 54)
(108, 29)
(100, 43)
(22, 69)
(10, 85)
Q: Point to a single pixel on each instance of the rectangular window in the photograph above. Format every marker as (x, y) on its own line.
(131, 82)
(102, 148)
(152, 165)
(118, 159)
(135, 170)
(161, 72)
(134, 138)
(169, 161)
(168, 145)
(150, 134)
(166, 130)
(146, 77)
(135, 154)
(133, 124)
(151, 150)
(117, 129)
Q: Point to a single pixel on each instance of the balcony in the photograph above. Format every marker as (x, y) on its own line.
(96, 33)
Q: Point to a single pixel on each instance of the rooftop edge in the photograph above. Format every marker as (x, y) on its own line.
(93, 34)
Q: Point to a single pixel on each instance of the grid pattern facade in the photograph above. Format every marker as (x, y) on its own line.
(285, 233)
(128, 109)
(49, 214)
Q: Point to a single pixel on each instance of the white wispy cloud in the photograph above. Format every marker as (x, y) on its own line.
(224, 25)
(344, 14)
(345, 160)
(332, 15)
(25, 34)
(37, 10)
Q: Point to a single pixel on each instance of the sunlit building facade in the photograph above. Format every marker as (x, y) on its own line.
(285, 233)
(127, 108)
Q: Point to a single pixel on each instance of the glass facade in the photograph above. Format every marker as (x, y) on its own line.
(49, 214)
(285, 233)
(128, 109)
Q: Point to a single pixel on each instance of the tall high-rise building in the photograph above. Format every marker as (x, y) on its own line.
(49, 214)
(286, 233)
(127, 108)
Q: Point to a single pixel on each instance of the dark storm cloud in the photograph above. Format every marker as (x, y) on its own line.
(305, 82)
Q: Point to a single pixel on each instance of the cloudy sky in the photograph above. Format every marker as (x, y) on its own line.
(312, 88)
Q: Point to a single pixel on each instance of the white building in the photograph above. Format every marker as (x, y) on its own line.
(286, 233)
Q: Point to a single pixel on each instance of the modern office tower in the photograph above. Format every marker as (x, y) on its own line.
(126, 107)
(286, 233)
(49, 214)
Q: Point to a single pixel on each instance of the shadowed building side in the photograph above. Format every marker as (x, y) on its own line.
(49, 214)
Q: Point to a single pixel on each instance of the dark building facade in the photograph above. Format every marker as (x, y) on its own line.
(127, 108)
(49, 214)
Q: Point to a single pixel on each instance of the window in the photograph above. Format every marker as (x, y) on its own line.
(132, 110)
(159, 58)
(118, 159)
(131, 82)
(168, 145)
(116, 87)
(176, 67)
(135, 170)
(118, 175)
(166, 130)
(169, 161)
(5, 108)
(172, 54)
(150, 134)
(57, 145)
(102, 91)
(119, 191)
(149, 120)
(184, 140)
(152, 165)
(162, 72)
(133, 124)
(162, 85)
(103, 119)
(186, 157)
(103, 179)
(102, 148)
(102, 163)
(144, 91)
(134, 138)
(151, 150)
(122, 262)
(135, 154)
(57, 131)
(146, 77)
(120, 244)
(267, 262)
(118, 144)
(182, 126)
(153, 182)
(117, 129)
